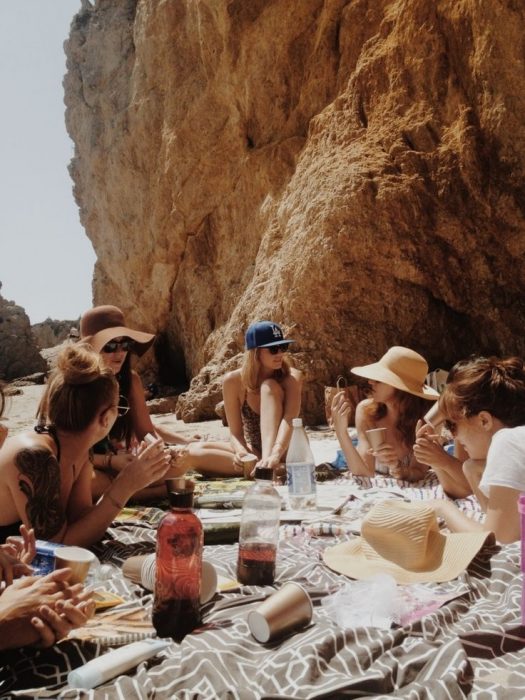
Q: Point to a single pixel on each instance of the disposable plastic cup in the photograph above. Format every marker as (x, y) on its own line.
(141, 569)
(248, 464)
(376, 437)
(287, 610)
(77, 559)
(434, 416)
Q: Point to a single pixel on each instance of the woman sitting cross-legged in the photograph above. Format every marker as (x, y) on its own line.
(260, 400)
(484, 404)
(45, 475)
(399, 398)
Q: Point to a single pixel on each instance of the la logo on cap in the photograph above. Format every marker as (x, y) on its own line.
(277, 332)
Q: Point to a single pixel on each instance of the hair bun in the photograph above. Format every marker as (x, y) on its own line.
(79, 364)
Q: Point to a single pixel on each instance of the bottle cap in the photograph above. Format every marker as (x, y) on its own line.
(180, 492)
(265, 473)
(297, 422)
(181, 499)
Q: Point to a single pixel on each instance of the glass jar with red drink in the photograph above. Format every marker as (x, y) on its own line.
(259, 531)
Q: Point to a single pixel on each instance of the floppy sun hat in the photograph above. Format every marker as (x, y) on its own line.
(403, 540)
(401, 368)
(265, 334)
(104, 323)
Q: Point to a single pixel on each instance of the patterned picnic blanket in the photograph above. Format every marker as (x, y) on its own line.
(472, 647)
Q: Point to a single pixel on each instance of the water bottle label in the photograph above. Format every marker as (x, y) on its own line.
(301, 480)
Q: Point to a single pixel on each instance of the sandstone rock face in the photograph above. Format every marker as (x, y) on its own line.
(351, 169)
(51, 332)
(19, 354)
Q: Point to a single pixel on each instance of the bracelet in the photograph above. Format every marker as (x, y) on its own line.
(113, 500)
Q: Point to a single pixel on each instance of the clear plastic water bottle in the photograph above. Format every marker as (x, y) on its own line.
(300, 470)
(259, 532)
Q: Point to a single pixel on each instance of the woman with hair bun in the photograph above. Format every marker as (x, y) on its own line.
(484, 406)
(45, 476)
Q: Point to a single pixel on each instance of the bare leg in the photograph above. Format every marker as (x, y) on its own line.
(211, 458)
(272, 410)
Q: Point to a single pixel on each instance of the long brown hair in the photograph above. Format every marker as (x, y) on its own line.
(486, 384)
(250, 370)
(411, 409)
(77, 390)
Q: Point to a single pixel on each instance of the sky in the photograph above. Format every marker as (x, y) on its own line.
(46, 259)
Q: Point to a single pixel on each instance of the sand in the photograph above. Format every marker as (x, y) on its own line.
(20, 413)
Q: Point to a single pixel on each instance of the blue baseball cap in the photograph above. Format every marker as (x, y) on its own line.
(265, 334)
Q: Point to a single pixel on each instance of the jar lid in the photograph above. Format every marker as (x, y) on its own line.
(181, 499)
(265, 473)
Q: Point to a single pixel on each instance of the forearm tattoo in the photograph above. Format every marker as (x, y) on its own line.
(39, 480)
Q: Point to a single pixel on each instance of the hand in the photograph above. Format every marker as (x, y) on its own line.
(341, 410)
(22, 599)
(386, 455)
(121, 460)
(52, 625)
(149, 465)
(16, 555)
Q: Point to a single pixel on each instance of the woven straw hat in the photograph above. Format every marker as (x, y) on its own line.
(401, 368)
(104, 323)
(403, 540)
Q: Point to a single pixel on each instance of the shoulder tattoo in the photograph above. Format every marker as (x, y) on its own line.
(39, 481)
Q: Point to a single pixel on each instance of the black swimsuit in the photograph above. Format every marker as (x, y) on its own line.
(13, 529)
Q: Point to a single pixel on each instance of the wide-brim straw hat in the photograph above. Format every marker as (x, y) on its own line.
(403, 540)
(401, 368)
(101, 324)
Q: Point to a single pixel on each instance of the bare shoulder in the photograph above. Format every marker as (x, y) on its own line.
(295, 377)
(25, 442)
(232, 379)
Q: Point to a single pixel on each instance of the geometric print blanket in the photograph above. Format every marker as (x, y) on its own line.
(471, 647)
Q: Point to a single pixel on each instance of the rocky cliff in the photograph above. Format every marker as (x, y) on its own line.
(19, 354)
(51, 332)
(352, 169)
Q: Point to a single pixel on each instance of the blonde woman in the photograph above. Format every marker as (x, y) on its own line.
(260, 400)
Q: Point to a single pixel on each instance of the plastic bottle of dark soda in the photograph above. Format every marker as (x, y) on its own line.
(259, 531)
(176, 605)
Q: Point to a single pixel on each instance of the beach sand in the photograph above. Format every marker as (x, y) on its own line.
(19, 415)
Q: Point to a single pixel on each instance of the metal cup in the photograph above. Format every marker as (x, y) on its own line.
(376, 437)
(248, 463)
(77, 559)
(288, 609)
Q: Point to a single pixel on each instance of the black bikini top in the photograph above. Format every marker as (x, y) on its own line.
(49, 430)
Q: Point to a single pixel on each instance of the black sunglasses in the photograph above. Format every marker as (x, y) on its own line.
(122, 406)
(127, 344)
(274, 349)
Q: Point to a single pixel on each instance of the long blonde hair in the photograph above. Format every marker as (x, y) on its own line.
(250, 370)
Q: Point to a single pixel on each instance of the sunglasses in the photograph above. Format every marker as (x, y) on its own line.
(122, 406)
(126, 345)
(275, 349)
